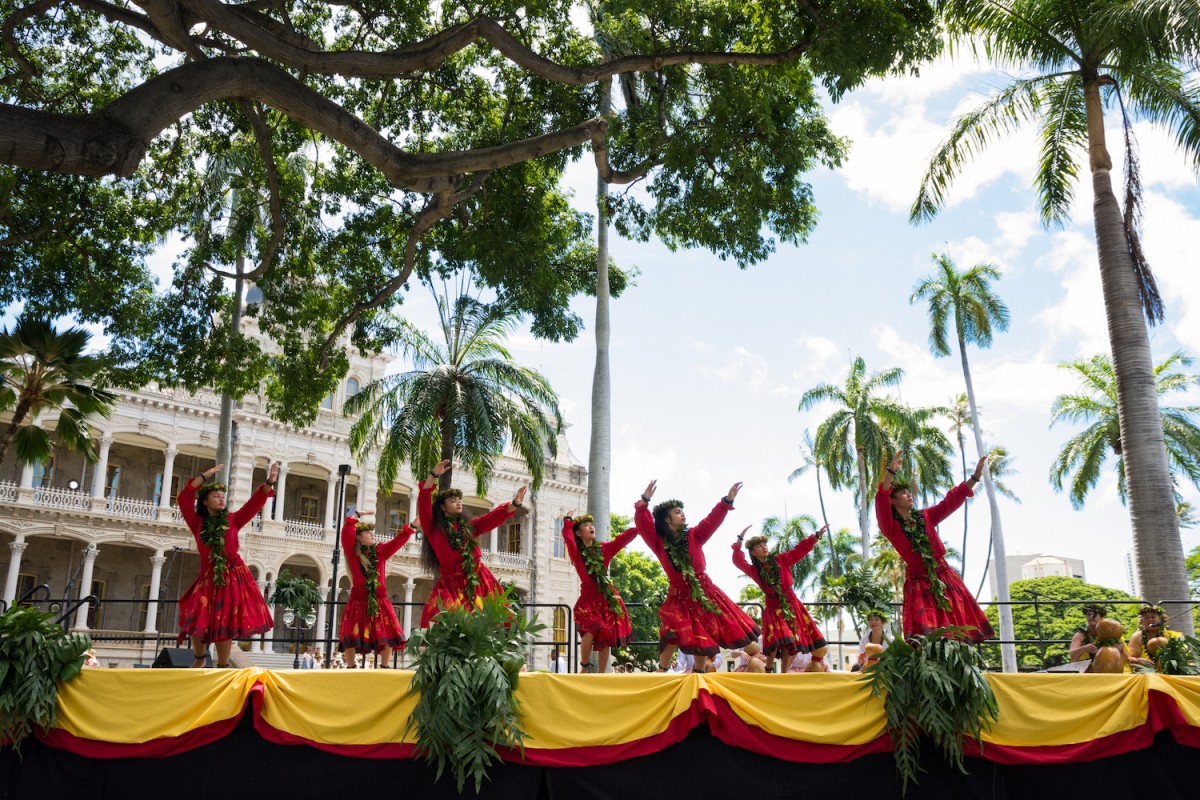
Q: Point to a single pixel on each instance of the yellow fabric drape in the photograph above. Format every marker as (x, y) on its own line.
(1054, 709)
(339, 706)
(826, 708)
(134, 706)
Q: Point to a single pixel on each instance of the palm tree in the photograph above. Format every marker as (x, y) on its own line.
(1087, 54)
(1082, 458)
(43, 370)
(927, 454)
(787, 533)
(999, 467)
(856, 441)
(965, 300)
(811, 459)
(463, 399)
(959, 414)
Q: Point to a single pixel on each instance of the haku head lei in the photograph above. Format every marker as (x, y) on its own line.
(902, 486)
(441, 496)
(210, 487)
(755, 541)
(363, 527)
(662, 509)
(1149, 609)
(583, 520)
(1098, 608)
(878, 612)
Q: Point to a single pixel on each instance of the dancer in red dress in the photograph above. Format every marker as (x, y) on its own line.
(224, 602)
(696, 617)
(787, 626)
(369, 620)
(449, 549)
(934, 594)
(600, 615)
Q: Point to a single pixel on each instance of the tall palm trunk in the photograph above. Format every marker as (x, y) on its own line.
(225, 427)
(1156, 541)
(18, 417)
(600, 451)
(447, 428)
(1008, 652)
(833, 556)
(863, 507)
(962, 451)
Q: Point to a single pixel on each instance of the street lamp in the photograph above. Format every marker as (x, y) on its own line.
(343, 471)
(297, 624)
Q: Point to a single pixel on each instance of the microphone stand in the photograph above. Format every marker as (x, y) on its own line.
(160, 615)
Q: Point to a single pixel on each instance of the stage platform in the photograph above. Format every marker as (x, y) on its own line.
(259, 733)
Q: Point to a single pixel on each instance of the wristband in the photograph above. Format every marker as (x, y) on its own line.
(645, 500)
(890, 470)
(727, 501)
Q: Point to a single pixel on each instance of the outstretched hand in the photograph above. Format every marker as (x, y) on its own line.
(273, 473)
(822, 531)
(733, 491)
(651, 487)
(742, 535)
(978, 476)
(520, 498)
(441, 468)
(896, 459)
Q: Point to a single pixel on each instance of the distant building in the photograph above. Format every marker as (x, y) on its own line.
(1030, 566)
(1132, 578)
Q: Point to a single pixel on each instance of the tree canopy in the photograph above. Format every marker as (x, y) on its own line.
(397, 139)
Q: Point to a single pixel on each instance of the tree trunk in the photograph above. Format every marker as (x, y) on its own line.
(833, 556)
(1157, 546)
(18, 417)
(600, 451)
(447, 426)
(225, 426)
(1008, 652)
(864, 506)
(962, 561)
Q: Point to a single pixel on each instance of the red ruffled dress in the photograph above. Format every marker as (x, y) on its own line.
(778, 635)
(593, 614)
(358, 629)
(921, 611)
(236, 610)
(685, 621)
(451, 587)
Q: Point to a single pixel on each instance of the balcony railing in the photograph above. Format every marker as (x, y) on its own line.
(8, 492)
(309, 531)
(133, 509)
(509, 560)
(52, 497)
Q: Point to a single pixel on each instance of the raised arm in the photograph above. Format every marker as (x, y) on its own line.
(708, 526)
(568, 534)
(349, 534)
(257, 500)
(186, 500)
(642, 519)
(742, 563)
(803, 548)
(610, 548)
(956, 496)
(425, 495)
(389, 548)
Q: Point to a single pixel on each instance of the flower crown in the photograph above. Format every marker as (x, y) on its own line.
(212, 487)
(664, 507)
(878, 612)
(902, 486)
(755, 541)
(360, 527)
(1149, 609)
(1099, 608)
(438, 497)
(584, 518)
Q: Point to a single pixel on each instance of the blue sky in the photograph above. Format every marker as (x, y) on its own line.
(709, 362)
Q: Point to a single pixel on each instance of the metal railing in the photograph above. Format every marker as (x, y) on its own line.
(133, 509)
(54, 497)
(8, 492)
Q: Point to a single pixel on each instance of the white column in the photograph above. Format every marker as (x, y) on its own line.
(164, 502)
(412, 506)
(156, 564)
(280, 487)
(409, 585)
(368, 489)
(85, 586)
(319, 629)
(101, 471)
(331, 499)
(14, 569)
(494, 540)
(26, 475)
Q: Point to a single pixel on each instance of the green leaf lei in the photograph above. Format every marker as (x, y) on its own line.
(371, 573)
(458, 532)
(593, 561)
(681, 559)
(914, 529)
(769, 571)
(212, 533)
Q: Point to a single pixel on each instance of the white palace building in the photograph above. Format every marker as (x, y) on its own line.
(111, 528)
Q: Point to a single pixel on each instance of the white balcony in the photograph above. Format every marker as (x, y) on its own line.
(132, 509)
(507, 560)
(308, 531)
(52, 497)
(8, 492)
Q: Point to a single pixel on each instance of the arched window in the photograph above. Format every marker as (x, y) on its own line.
(327, 401)
(352, 387)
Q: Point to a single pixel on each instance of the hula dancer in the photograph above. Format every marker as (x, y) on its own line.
(875, 635)
(1154, 626)
(696, 617)
(224, 602)
(449, 549)
(369, 622)
(788, 628)
(934, 594)
(600, 615)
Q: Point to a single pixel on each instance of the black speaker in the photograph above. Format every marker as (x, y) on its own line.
(178, 658)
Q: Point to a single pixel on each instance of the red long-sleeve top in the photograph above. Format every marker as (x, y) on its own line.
(785, 561)
(449, 559)
(383, 551)
(892, 529)
(697, 536)
(237, 520)
(607, 549)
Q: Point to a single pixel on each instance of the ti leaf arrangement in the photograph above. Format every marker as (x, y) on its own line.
(932, 685)
(36, 654)
(466, 679)
(1178, 656)
(299, 594)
